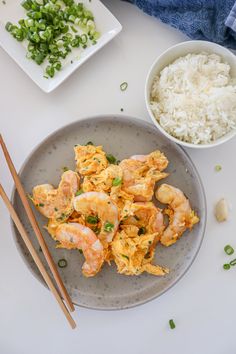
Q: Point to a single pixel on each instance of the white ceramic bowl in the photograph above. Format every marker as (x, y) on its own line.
(171, 55)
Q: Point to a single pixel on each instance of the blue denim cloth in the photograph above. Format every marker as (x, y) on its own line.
(231, 19)
(212, 20)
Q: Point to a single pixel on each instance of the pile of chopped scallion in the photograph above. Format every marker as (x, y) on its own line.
(53, 28)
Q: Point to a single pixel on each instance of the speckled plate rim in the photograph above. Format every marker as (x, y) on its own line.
(143, 123)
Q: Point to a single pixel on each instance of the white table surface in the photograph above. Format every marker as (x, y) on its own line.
(202, 303)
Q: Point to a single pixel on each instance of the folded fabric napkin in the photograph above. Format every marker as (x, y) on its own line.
(212, 20)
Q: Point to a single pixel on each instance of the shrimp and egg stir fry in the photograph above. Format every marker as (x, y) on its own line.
(105, 210)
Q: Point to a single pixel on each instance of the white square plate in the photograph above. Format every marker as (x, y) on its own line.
(12, 11)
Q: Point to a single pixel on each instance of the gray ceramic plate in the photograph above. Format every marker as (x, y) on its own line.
(123, 137)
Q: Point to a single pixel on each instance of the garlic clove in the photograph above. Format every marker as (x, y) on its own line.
(221, 210)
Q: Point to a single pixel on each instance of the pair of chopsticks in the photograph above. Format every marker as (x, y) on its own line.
(62, 293)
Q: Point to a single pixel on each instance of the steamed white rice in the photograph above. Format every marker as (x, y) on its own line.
(194, 98)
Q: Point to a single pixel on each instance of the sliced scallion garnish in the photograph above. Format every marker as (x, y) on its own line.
(233, 262)
(80, 191)
(218, 168)
(124, 86)
(172, 324)
(111, 159)
(91, 219)
(229, 250)
(62, 263)
(108, 227)
(226, 266)
(116, 181)
(142, 230)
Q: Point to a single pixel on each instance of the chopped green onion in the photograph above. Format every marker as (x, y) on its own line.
(96, 230)
(124, 255)
(116, 181)
(80, 251)
(172, 324)
(226, 266)
(27, 4)
(108, 227)
(84, 38)
(62, 263)
(136, 217)
(8, 26)
(57, 66)
(50, 70)
(65, 169)
(41, 205)
(74, 29)
(80, 191)
(233, 262)
(229, 250)
(122, 109)
(218, 168)
(123, 86)
(111, 159)
(142, 230)
(89, 143)
(92, 219)
(51, 28)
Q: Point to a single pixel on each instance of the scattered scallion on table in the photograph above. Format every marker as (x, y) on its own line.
(229, 250)
(172, 324)
(226, 266)
(233, 262)
(218, 168)
(124, 86)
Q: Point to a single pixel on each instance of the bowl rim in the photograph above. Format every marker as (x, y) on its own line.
(125, 118)
(217, 142)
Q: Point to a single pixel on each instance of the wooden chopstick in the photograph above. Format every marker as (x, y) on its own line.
(35, 256)
(35, 227)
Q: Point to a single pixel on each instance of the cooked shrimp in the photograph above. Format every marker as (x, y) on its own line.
(83, 238)
(181, 216)
(155, 159)
(90, 159)
(141, 172)
(99, 208)
(57, 203)
(147, 216)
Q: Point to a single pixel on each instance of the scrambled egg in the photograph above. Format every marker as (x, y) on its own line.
(132, 252)
(90, 159)
(104, 181)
